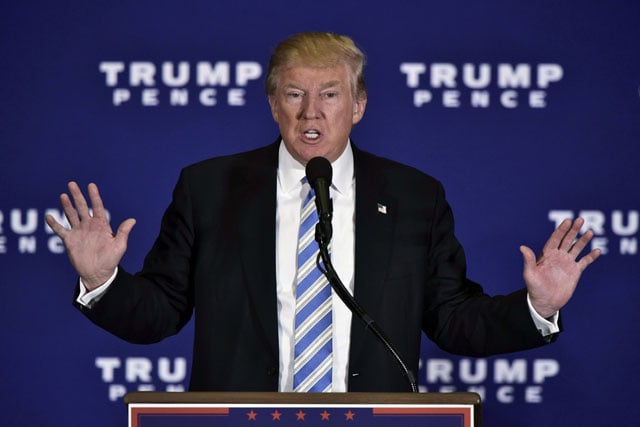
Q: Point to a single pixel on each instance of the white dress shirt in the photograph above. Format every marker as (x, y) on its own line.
(290, 195)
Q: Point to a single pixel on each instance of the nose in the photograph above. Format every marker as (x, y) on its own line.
(310, 107)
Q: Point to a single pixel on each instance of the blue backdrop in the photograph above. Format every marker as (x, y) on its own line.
(527, 112)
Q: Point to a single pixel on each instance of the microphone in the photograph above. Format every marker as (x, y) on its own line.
(319, 174)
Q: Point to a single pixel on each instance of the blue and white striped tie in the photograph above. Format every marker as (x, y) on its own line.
(312, 366)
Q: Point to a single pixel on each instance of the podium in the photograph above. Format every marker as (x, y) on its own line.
(253, 409)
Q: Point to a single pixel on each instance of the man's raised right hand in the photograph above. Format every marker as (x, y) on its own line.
(94, 250)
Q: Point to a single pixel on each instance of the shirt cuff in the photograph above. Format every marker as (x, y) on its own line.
(546, 327)
(89, 298)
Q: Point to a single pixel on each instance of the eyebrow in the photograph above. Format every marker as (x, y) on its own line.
(324, 86)
(330, 84)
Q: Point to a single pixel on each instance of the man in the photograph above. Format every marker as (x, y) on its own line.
(227, 250)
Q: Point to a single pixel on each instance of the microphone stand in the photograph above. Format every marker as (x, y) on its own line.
(323, 243)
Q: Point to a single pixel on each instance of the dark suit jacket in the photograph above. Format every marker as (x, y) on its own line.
(215, 255)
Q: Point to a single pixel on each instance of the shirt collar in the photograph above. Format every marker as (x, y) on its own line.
(291, 172)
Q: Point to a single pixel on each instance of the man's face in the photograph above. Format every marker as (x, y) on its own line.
(315, 110)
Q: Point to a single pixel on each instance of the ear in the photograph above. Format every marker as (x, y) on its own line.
(273, 104)
(358, 109)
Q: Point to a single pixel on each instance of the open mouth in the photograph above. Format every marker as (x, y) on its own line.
(312, 134)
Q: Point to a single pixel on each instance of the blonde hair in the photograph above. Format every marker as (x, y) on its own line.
(317, 49)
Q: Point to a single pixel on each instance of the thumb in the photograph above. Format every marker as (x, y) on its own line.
(528, 255)
(125, 228)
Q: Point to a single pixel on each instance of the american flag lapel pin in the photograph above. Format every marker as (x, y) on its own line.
(382, 209)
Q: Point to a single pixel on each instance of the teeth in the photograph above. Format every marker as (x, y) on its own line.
(312, 134)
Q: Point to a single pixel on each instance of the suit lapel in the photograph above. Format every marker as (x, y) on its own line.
(257, 242)
(374, 212)
(374, 219)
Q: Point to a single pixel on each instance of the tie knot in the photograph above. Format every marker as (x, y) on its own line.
(306, 192)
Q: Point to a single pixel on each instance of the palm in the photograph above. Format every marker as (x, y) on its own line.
(552, 279)
(92, 247)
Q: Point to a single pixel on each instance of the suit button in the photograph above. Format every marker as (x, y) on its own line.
(272, 371)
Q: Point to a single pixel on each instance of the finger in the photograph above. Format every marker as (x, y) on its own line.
(69, 211)
(556, 237)
(96, 201)
(124, 229)
(569, 238)
(588, 259)
(581, 243)
(529, 257)
(57, 228)
(80, 202)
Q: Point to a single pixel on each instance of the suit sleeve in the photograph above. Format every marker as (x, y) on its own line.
(158, 301)
(459, 317)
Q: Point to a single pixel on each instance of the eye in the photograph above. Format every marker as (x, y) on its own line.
(294, 97)
(294, 94)
(330, 95)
